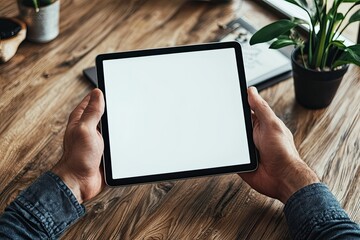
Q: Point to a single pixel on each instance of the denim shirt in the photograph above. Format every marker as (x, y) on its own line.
(48, 207)
(43, 211)
(314, 213)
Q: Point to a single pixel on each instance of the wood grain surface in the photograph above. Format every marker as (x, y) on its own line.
(41, 85)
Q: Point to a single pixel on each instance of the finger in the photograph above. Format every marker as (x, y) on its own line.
(254, 118)
(94, 110)
(75, 115)
(260, 107)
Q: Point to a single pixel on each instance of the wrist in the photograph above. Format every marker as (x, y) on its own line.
(70, 182)
(298, 177)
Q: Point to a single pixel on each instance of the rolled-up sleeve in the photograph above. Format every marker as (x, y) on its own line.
(42, 211)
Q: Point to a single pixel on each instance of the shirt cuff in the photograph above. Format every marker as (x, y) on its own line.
(309, 208)
(51, 203)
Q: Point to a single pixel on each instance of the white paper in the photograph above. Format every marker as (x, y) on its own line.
(260, 62)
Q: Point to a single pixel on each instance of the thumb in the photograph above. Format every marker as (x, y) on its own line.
(94, 110)
(260, 107)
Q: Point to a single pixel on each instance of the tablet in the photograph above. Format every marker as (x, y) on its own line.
(175, 113)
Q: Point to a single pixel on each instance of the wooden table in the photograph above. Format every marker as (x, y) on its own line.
(41, 85)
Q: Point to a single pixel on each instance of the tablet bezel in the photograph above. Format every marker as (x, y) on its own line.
(183, 174)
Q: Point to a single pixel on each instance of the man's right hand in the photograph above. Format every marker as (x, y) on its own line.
(80, 165)
(281, 171)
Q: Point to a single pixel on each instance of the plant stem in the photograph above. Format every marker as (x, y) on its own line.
(343, 29)
(317, 12)
(321, 45)
(302, 57)
(330, 33)
(310, 50)
(338, 27)
(36, 5)
(333, 58)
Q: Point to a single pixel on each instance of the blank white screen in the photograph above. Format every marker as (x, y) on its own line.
(174, 112)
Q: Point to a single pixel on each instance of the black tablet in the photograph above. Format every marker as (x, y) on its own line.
(175, 113)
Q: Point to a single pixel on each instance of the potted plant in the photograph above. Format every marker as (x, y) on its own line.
(321, 59)
(41, 18)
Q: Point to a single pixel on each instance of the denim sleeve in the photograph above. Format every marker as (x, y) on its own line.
(42, 211)
(314, 213)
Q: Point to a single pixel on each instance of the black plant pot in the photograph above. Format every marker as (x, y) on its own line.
(314, 89)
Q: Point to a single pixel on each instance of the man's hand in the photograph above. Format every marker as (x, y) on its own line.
(281, 171)
(79, 166)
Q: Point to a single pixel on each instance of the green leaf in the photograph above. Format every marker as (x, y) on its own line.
(339, 17)
(350, 55)
(299, 21)
(304, 3)
(272, 31)
(294, 2)
(280, 43)
(339, 44)
(355, 17)
(319, 12)
(285, 36)
(351, 1)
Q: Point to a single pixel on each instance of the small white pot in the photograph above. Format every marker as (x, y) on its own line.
(42, 26)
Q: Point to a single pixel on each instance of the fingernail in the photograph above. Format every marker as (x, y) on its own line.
(94, 94)
(254, 89)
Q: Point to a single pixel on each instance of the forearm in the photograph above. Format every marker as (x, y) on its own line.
(297, 176)
(314, 213)
(43, 211)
